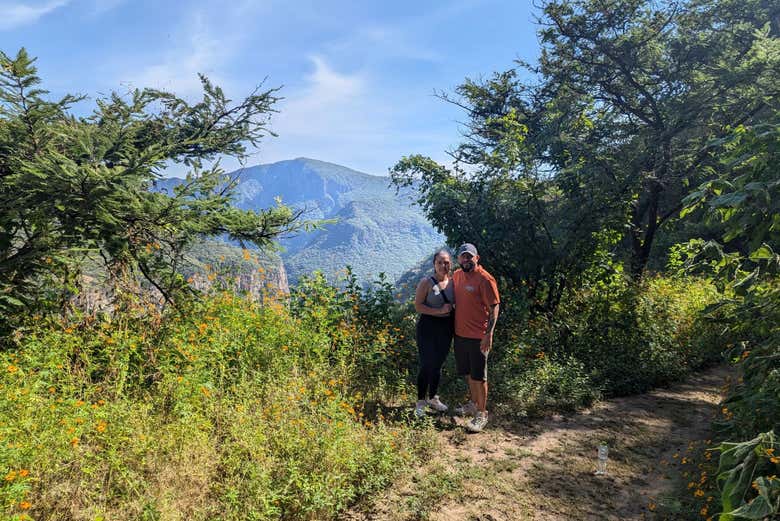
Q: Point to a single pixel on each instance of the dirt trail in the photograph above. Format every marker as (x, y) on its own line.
(544, 470)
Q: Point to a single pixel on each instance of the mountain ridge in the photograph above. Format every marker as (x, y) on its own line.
(372, 218)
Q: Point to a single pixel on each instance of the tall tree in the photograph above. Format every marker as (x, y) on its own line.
(70, 185)
(607, 132)
(660, 81)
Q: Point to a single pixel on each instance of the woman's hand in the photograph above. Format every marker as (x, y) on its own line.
(446, 309)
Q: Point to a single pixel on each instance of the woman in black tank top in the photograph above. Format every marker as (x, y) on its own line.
(433, 301)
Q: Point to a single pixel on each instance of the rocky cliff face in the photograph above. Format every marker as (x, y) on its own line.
(211, 266)
(257, 282)
(219, 264)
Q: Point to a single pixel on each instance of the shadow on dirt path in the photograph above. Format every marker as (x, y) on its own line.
(543, 470)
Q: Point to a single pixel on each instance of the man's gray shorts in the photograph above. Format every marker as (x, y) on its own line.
(469, 359)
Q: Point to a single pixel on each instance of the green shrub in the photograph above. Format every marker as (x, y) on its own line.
(626, 338)
(634, 338)
(549, 385)
(748, 470)
(227, 409)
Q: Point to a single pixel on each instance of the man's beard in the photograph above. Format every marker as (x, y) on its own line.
(467, 266)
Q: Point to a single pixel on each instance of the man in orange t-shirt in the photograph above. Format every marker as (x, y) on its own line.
(476, 313)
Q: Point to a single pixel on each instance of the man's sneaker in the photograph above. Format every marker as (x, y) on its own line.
(467, 409)
(435, 404)
(478, 422)
(419, 408)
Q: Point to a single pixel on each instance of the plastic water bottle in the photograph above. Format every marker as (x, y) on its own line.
(603, 452)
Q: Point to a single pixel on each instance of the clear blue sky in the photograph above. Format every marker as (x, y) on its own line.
(357, 77)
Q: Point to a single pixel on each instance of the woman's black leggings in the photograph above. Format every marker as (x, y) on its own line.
(434, 336)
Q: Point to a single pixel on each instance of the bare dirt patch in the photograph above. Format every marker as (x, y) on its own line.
(543, 470)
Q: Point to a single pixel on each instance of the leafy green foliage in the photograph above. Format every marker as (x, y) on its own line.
(745, 266)
(657, 82)
(531, 233)
(616, 338)
(72, 186)
(548, 385)
(370, 313)
(607, 135)
(232, 409)
(745, 496)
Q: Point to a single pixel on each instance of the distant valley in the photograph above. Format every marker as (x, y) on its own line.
(375, 229)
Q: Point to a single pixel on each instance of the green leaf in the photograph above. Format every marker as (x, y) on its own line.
(762, 253)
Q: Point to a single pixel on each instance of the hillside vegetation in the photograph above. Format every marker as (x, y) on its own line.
(647, 126)
(364, 218)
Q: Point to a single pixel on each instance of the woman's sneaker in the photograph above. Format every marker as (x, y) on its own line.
(435, 404)
(478, 422)
(467, 409)
(419, 408)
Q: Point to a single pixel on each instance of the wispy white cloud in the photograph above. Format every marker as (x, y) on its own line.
(13, 15)
(329, 99)
(405, 38)
(331, 105)
(389, 41)
(346, 118)
(195, 50)
(100, 7)
(204, 42)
